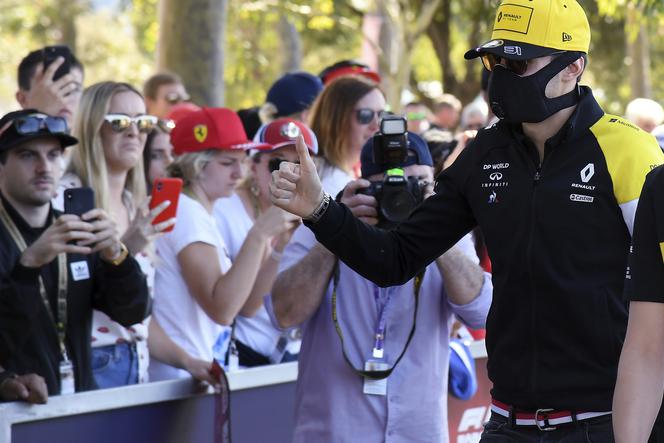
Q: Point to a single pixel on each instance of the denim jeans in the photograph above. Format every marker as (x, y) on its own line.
(594, 430)
(115, 365)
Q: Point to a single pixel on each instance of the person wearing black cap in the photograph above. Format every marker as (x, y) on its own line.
(554, 187)
(375, 324)
(54, 268)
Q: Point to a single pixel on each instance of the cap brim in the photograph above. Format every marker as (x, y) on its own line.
(64, 139)
(509, 49)
(248, 145)
(269, 148)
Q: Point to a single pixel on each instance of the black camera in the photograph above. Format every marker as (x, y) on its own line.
(396, 195)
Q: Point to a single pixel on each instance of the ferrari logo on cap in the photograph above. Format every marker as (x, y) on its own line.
(200, 133)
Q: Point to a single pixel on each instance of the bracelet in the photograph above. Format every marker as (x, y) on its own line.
(320, 209)
(122, 255)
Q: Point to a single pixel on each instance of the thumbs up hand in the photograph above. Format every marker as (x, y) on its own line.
(297, 188)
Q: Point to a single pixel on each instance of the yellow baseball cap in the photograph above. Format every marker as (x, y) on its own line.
(525, 29)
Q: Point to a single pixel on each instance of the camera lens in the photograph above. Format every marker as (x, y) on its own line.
(398, 206)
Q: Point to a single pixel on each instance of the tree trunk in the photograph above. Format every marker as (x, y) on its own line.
(390, 42)
(638, 49)
(439, 32)
(67, 12)
(399, 32)
(292, 45)
(191, 44)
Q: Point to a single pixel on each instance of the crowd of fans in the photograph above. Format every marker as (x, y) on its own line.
(231, 277)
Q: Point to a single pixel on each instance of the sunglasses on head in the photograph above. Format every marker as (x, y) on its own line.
(174, 98)
(274, 163)
(31, 124)
(519, 67)
(120, 122)
(365, 116)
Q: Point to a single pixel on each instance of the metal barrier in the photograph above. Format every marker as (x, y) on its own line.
(261, 400)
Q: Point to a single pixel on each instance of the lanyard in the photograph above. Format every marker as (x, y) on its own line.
(60, 323)
(374, 375)
(381, 309)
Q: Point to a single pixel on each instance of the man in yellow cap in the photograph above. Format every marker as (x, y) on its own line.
(553, 186)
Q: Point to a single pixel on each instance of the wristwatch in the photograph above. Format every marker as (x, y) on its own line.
(320, 209)
(124, 252)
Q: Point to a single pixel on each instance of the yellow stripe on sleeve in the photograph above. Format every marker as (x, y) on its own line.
(661, 248)
(630, 154)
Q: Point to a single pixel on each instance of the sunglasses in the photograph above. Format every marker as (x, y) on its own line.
(519, 67)
(166, 125)
(274, 163)
(365, 116)
(34, 123)
(120, 122)
(174, 98)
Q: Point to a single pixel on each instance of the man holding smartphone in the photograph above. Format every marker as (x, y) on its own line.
(50, 79)
(54, 268)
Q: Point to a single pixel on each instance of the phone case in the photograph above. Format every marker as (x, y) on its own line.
(78, 201)
(166, 189)
(53, 52)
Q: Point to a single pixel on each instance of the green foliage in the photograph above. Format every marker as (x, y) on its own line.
(121, 44)
(329, 29)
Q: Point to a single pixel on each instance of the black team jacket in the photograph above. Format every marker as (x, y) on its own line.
(557, 232)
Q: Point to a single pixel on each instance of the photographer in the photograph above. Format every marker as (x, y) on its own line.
(46, 311)
(409, 404)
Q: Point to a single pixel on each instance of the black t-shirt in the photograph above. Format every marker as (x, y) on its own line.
(645, 275)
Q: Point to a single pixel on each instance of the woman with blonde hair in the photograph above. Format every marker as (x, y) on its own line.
(198, 290)
(111, 127)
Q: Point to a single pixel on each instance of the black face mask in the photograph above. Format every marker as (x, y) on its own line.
(519, 99)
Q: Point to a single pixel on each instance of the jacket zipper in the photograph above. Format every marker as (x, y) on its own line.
(533, 325)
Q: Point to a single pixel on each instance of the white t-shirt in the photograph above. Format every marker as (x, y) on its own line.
(257, 332)
(176, 310)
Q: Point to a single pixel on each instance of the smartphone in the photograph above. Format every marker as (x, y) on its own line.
(78, 201)
(53, 52)
(166, 189)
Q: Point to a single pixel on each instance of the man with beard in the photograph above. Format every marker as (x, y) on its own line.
(553, 187)
(54, 268)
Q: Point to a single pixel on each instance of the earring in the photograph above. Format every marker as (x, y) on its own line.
(254, 189)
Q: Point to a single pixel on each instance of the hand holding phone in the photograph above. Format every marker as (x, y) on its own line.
(156, 218)
(51, 53)
(166, 189)
(78, 201)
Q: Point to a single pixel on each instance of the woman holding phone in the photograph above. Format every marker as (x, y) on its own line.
(111, 128)
(198, 290)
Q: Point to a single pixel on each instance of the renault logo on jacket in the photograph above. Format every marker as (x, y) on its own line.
(587, 172)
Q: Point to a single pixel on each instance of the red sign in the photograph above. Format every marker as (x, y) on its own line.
(466, 418)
